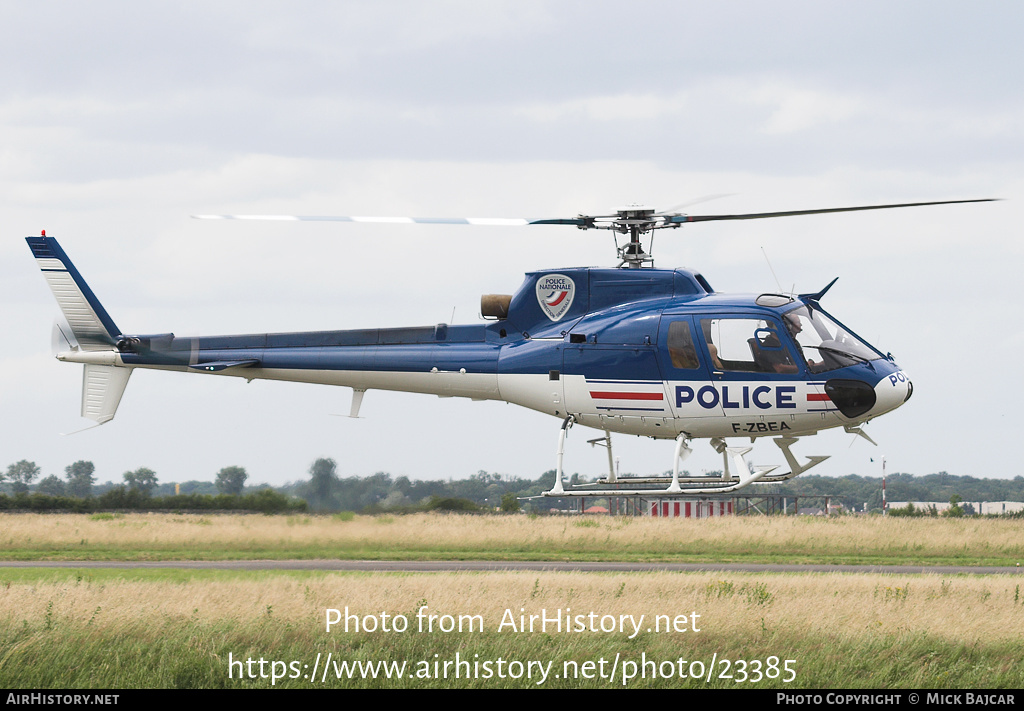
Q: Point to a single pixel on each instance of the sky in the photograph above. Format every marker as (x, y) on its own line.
(120, 120)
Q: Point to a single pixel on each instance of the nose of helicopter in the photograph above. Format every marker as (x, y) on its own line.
(892, 391)
(858, 400)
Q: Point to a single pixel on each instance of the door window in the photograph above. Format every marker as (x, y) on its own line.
(746, 345)
(681, 349)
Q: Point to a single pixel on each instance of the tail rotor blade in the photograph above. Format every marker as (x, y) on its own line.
(61, 337)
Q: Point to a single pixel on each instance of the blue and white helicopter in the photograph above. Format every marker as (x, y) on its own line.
(632, 350)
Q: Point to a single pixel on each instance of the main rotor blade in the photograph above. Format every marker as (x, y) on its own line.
(704, 198)
(664, 218)
(790, 213)
(499, 221)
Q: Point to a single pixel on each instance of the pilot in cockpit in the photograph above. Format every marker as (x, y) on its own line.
(794, 327)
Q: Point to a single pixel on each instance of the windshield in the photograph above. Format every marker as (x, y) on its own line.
(825, 344)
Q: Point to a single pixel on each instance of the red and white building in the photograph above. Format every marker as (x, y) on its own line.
(690, 508)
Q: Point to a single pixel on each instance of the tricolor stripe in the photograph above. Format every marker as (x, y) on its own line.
(655, 383)
(626, 396)
(559, 300)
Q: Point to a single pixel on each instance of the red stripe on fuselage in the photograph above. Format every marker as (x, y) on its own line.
(818, 397)
(627, 396)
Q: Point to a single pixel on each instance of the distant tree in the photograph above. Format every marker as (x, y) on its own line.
(142, 480)
(51, 486)
(509, 503)
(230, 480)
(437, 503)
(80, 478)
(193, 486)
(323, 480)
(910, 510)
(21, 475)
(954, 510)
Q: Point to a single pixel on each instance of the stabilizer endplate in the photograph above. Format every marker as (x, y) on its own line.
(102, 388)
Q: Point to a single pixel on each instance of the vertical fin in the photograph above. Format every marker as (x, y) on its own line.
(90, 323)
(89, 328)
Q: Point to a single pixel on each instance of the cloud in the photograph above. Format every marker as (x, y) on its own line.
(796, 109)
(620, 107)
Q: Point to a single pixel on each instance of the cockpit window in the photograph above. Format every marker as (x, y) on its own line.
(746, 345)
(825, 345)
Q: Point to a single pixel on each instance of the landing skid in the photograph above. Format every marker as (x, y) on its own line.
(736, 473)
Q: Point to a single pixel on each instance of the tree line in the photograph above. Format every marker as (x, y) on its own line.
(854, 491)
(327, 491)
(79, 491)
(81, 480)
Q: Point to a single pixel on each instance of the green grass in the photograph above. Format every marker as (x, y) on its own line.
(173, 628)
(189, 654)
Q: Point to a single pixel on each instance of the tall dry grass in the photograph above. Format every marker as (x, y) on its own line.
(960, 609)
(88, 630)
(850, 539)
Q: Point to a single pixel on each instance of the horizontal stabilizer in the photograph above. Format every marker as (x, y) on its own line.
(102, 388)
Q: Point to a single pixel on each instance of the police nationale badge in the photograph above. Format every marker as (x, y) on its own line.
(554, 294)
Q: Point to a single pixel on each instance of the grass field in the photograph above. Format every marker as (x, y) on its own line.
(101, 629)
(792, 539)
(105, 628)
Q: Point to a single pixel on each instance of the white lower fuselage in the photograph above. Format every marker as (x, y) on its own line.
(662, 409)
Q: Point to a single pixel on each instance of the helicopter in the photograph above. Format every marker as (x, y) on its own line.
(631, 349)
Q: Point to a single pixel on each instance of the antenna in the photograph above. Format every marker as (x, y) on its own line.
(771, 270)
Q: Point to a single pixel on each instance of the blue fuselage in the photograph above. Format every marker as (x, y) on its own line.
(607, 358)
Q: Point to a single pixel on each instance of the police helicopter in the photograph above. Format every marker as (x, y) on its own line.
(632, 350)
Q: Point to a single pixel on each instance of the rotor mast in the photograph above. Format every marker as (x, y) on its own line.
(633, 221)
(636, 220)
